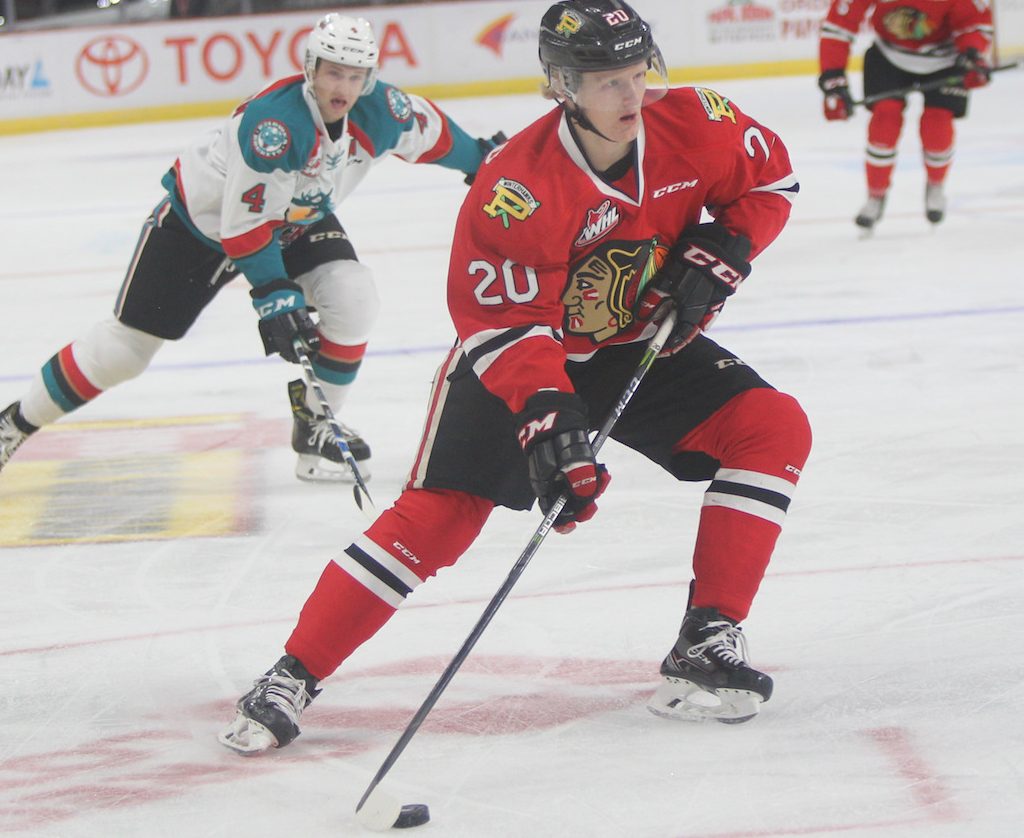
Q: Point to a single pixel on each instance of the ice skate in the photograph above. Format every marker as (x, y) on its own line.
(268, 715)
(706, 675)
(870, 213)
(934, 202)
(320, 458)
(13, 432)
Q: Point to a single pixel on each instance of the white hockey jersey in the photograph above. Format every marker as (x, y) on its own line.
(272, 169)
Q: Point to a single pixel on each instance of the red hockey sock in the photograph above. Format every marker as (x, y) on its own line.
(761, 439)
(358, 593)
(883, 136)
(937, 142)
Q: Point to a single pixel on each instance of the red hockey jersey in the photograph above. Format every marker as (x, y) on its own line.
(918, 36)
(548, 259)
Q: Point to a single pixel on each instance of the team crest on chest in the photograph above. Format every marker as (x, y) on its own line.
(599, 223)
(270, 139)
(604, 286)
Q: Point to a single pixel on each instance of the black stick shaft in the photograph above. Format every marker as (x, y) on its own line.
(346, 452)
(923, 87)
(654, 346)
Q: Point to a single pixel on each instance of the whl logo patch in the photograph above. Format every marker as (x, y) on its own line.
(599, 223)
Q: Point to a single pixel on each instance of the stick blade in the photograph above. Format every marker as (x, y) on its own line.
(381, 812)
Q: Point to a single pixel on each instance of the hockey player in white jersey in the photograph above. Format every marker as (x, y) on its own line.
(258, 197)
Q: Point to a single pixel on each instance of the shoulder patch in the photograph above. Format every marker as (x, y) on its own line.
(715, 106)
(399, 104)
(511, 200)
(270, 139)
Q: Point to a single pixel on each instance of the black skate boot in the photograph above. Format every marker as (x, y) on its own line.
(13, 431)
(320, 458)
(268, 715)
(706, 673)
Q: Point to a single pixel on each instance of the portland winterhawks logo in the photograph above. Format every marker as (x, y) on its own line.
(511, 201)
(271, 139)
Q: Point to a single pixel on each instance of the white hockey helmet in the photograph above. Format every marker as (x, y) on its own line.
(343, 40)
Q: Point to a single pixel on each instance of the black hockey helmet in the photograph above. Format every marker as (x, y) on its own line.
(579, 36)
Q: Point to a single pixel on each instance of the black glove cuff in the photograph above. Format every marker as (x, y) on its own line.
(266, 288)
(829, 80)
(547, 414)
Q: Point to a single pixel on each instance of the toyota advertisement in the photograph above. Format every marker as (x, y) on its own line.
(204, 66)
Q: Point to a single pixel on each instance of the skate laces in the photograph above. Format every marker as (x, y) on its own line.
(321, 434)
(11, 436)
(728, 643)
(284, 692)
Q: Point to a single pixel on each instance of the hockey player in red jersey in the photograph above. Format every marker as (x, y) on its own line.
(916, 41)
(575, 238)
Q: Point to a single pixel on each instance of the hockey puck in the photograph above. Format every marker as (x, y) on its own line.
(415, 814)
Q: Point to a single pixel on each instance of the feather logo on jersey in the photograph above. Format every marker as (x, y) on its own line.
(399, 104)
(270, 139)
(600, 222)
(308, 208)
(908, 24)
(511, 200)
(604, 285)
(716, 107)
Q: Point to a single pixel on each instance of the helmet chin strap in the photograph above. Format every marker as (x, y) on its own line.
(575, 113)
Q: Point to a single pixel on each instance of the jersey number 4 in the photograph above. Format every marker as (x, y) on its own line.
(255, 198)
(515, 286)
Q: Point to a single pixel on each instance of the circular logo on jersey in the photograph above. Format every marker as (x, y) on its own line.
(112, 65)
(399, 105)
(271, 139)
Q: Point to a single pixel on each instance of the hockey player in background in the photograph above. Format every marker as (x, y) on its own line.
(258, 197)
(577, 235)
(916, 42)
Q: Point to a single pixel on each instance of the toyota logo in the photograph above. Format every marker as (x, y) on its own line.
(112, 65)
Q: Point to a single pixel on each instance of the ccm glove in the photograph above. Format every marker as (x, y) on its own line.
(975, 68)
(281, 306)
(703, 269)
(552, 430)
(487, 145)
(838, 101)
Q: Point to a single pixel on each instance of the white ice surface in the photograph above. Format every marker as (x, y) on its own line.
(890, 617)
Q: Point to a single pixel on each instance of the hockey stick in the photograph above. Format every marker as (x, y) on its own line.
(359, 491)
(383, 812)
(924, 87)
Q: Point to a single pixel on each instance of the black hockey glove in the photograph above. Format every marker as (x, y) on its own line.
(552, 430)
(700, 273)
(977, 71)
(284, 317)
(487, 145)
(838, 102)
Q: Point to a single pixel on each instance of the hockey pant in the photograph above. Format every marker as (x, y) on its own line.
(761, 439)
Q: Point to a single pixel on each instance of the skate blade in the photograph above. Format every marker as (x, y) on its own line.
(315, 469)
(682, 700)
(247, 737)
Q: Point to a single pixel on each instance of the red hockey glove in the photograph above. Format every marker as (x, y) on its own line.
(838, 102)
(977, 71)
(700, 273)
(552, 430)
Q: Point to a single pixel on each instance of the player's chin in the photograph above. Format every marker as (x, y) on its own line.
(628, 126)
